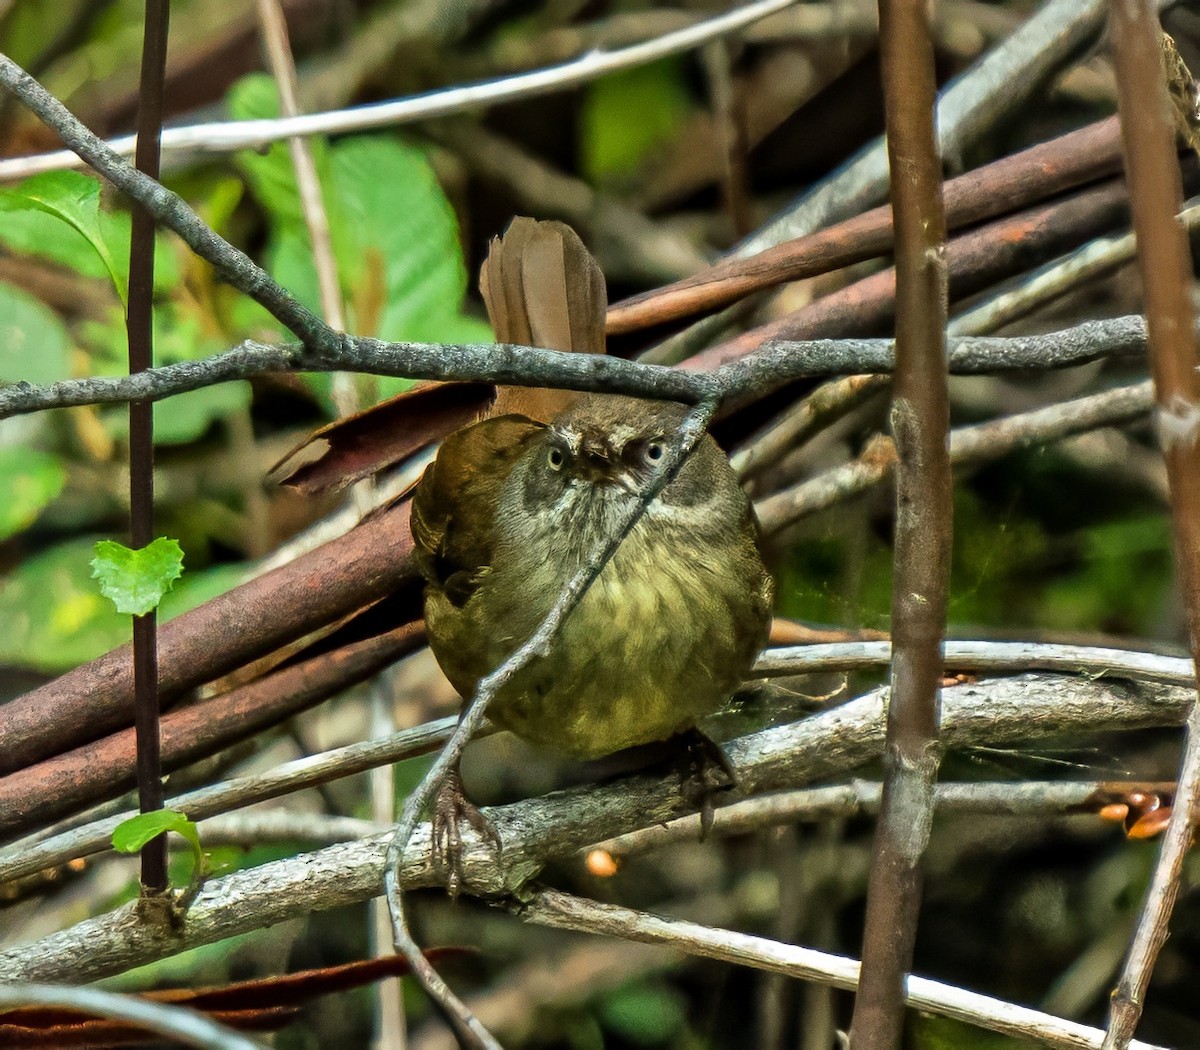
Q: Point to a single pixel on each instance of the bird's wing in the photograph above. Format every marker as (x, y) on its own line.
(455, 501)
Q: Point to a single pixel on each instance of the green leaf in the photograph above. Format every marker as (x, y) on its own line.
(74, 199)
(56, 618)
(131, 835)
(34, 345)
(270, 174)
(394, 210)
(645, 1014)
(136, 581)
(30, 479)
(614, 145)
(391, 225)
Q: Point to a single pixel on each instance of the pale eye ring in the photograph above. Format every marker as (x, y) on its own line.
(655, 450)
(555, 458)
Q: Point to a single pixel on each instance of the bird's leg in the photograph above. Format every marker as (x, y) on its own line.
(707, 770)
(450, 808)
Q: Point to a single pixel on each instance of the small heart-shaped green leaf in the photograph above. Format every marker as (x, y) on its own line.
(135, 581)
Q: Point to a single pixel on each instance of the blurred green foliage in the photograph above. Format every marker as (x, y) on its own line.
(402, 273)
(1012, 564)
(645, 1013)
(394, 235)
(614, 143)
(930, 1032)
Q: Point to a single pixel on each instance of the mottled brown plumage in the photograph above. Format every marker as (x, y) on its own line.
(516, 503)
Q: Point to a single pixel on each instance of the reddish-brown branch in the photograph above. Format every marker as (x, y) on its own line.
(215, 638)
(104, 768)
(975, 261)
(920, 419)
(995, 189)
(1167, 280)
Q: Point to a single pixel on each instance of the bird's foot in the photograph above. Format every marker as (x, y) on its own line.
(707, 771)
(451, 808)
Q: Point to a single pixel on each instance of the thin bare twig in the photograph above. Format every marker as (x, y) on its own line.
(554, 908)
(1167, 287)
(775, 365)
(283, 69)
(312, 203)
(139, 322)
(997, 657)
(1029, 798)
(1044, 285)
(997, 712)
(35, 852)
(228, 136)
(968, 445)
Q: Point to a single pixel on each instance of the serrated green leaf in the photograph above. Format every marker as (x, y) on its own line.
(131, 835)
(34, 345)
(74, 199)
(386, 210)
(135, 581)
(29, 479)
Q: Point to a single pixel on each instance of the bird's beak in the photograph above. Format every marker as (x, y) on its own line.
(595, 460)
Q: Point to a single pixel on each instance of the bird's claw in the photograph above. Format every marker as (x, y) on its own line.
(707, 771)
(451, 808)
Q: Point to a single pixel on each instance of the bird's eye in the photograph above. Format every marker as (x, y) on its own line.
(555, 458)
(654, 451)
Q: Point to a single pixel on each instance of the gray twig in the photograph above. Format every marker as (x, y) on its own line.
(997, 712)
(36, 852)
(772, 367)
(561, 910)
(968, 445)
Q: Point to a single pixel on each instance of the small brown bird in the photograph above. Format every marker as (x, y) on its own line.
(515, 504)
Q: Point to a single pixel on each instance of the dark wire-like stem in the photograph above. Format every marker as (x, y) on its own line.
(920, 423)
(139, 320)
(1167, 282)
